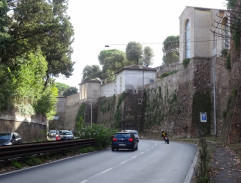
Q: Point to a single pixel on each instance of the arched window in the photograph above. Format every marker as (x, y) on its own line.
(187, 39)
(226, 33)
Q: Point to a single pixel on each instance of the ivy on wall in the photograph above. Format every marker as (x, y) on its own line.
(107, 104)
(185, 62)
(118, 112)
(228, 112)
(158, 108)
(79, 120)
(165, 74)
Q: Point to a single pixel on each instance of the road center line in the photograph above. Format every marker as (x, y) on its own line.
(123, 162)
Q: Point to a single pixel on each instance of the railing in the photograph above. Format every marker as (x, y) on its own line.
(15, 151)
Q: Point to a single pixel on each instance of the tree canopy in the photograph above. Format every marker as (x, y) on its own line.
(70, 91)
(35, 45)
(61, 87)
(113, 60)
(91, 72)
(134, 52)
(171, 50)
(35, 24)
(147, 56)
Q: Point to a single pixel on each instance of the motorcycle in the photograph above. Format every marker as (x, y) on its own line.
(166, 139)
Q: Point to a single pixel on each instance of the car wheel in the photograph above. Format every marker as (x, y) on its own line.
(136, 147)
(113, 149)
(133, 148)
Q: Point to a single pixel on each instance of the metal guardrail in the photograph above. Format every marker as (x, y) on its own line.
(15, 151)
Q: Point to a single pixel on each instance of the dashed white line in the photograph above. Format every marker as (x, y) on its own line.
(123, 162)
(84, 181)
(105, 171)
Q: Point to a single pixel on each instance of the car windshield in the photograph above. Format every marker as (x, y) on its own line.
(67, 133)
(5, 136)
(122, 135)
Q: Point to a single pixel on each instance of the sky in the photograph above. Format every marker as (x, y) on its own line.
(115, 23)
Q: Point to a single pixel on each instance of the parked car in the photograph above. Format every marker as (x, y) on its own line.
(134, 132)
(10, 139)
(124, 140)
(66, 135)
(52, 133)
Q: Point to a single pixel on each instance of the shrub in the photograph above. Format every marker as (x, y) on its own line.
(186, 62)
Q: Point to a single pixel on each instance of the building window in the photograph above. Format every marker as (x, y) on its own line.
(187, 39)
(226, 33)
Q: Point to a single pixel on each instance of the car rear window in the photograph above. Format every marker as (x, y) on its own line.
(122, 135)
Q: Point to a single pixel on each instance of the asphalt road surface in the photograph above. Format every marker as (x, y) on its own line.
(153, 162)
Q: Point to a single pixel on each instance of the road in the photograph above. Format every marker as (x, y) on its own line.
(153, 162)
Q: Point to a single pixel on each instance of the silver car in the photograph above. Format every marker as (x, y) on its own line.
(66, 135)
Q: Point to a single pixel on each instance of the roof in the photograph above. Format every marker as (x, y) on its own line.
(95, 80)
(137, 68)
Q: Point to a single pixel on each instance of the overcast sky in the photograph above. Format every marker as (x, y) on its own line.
(117, 22)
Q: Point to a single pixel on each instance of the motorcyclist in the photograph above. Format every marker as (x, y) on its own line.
(164, 134)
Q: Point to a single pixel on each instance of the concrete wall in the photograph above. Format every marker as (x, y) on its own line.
(71, 109)
(108, 90)
(30, 128)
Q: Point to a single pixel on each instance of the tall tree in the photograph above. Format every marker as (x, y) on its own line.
(70, 91)
(41, 24)
(171, 50)
(111, 61)
(134, 52)
(147, 56)
(91, 72)
(61, 87)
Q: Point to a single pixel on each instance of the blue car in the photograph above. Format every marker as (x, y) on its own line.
(124, 140)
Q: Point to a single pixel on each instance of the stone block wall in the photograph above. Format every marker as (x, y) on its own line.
(29, 131)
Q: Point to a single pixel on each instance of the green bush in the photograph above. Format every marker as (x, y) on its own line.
(101, 134)
(165, 74)
(186, 62)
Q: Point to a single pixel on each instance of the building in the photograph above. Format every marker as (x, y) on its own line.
(132, 77)
(204, 32)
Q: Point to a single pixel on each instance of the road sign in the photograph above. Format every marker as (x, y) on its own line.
(203, 117)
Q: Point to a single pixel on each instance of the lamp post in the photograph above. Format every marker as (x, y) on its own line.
(91, 114)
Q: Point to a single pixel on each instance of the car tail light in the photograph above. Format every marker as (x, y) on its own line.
(114, 139)
(130, 139)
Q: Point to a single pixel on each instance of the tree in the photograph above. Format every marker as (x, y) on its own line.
(61, 88)
(70, 91)
(171, 50)
(41, 24)
(111, 61)
(147, 56)
(134, 52)
(91, 72)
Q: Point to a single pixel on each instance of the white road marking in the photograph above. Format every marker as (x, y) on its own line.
(84, 181)
(105, 171)
(123, 162)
